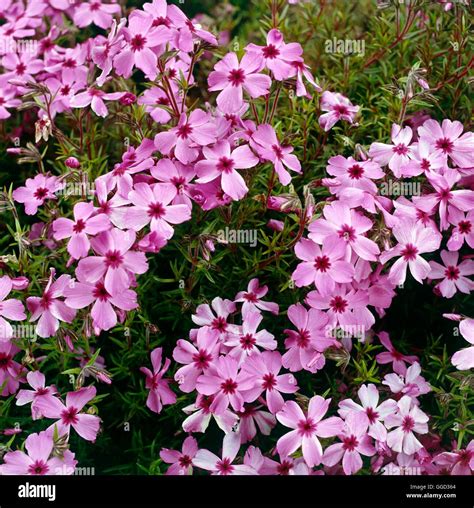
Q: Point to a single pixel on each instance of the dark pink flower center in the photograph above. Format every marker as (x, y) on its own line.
(224, 466)
(268, 381)
(184, 131)
(160, 21)
(338, 304)
(409, 252)
(20, 69)
(445, 194)
(65, 90)
(284, 468)
(452, 273)
(400, 149)
(220, 324)
(307, 427)
(38, 467)
(41, 391)
(225, 165)
(5, 361)
(444, 144)
(69, 63)
(46, 300)
(248, 341)
(79, 226)
(2, 101)
(465, 227)
(94, 6)
(113, 258)
(138, 42)
(278, 151)
(303, 338)
(185, 461)
(270, 51)
(341, 109)
(40, 193)
(347, 232)
(236, 77)
(69, 416)
(100, 293)
(425, 164)
(229, 386)
(371, 415)
(322, 263)
(408, 424)
(350, 443)
(355, 172)
(250, 297)
(202, 359)
(156, 210)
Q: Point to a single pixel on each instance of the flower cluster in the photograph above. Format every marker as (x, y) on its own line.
(355, 249)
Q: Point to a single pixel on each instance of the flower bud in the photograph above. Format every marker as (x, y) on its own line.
(72, 162)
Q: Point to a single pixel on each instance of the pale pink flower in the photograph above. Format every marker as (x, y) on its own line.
(348, 227)
(180, 175)
(306, 345)
(200, 414)
(115, 261)
(36, 191)
(95, 12)
(95, 98)
(221, 162)
(105, 306)
(398, 154)
(86, 222)
(392, 355)
(339, 107)
(464, 359)
(142, 38)
(196, 358)
(278, 56)
(306, 429)
(446, 139)
(252, 299)
(408, 420)
(188, 136)
(251, 418)
(355, 442)
(181, 462)
(151, 205)
(463, 230)
(460, 462)
(413, 239)
(233, 78)
(69, 413)
(48, 309)
(37, 381)
(369, 410)
(264, 369)
(264, 140)
(160, 393)
(224, 466)
(411, 383)
(11, 309)
(453, 273)
(224, 380)
(215, 315)
(322, 266)
(11, 372)
(38, 459)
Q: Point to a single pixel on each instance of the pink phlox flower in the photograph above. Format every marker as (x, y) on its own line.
(196, 358)
(338, 107)
(233, 78)
(252, 299)
(69, 414)
(160, 393)
(11, 309)
(453, 273)
(411, 383)
(354, 442)
(409, 419)
(393, 356)
(223, 466)
(181, 462)
(36, 191)
(37, 381)
(307, 428)
(264, 369)
(370, 410)
(86, 222)
(48, 309)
